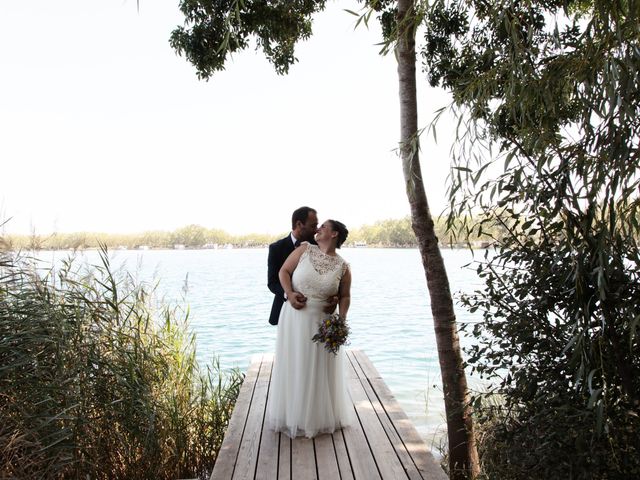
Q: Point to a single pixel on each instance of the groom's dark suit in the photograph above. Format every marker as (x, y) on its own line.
(278, 253)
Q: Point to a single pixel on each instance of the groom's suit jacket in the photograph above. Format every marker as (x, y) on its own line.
(278, 253)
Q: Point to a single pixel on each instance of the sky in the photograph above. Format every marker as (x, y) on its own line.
(104, 128)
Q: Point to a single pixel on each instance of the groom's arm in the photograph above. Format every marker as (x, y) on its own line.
(331, 304)
(274, 262)
(344, 292)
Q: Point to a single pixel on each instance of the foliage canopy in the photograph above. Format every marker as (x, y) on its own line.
(215, 29)
(548, 94)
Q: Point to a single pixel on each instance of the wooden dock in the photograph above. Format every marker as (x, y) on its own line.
(382, 443)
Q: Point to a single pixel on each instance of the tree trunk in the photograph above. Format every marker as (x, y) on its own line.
(463, 456)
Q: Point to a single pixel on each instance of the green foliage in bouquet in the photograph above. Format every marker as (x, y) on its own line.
(333, 332)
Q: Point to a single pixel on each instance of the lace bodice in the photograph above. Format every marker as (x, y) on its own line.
(318, 275)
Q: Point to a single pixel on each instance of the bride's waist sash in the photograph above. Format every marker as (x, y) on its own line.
(316, 303)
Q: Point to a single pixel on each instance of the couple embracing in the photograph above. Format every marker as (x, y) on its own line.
(308, 393)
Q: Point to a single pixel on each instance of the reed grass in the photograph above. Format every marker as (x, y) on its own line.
(99, 380)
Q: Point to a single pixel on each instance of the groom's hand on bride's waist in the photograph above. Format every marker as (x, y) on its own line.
(297, 300)
(330, 305)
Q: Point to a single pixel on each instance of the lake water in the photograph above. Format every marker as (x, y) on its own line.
(390, 315)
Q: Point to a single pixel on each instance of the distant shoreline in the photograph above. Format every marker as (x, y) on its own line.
(383, 234)
(458, 246)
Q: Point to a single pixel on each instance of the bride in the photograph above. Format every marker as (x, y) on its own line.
(308, 393)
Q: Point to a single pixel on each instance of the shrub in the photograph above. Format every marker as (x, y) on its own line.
(97, 380)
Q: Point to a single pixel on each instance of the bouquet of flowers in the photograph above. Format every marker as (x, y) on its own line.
(333, 332)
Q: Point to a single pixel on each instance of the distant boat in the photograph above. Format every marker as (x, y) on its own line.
(359, 244)
(178, 246)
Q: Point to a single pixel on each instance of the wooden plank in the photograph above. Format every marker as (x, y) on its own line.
(422, 457)
(363, 464)
(267, 467)
(383, 452)
(284, 458)
(405, 459)
(303, 459)
(370, 371)
(351, 373)
(382, 443)
(228, 454)
(326, 458)
(342, 456)
(414, 445)
(250, 444)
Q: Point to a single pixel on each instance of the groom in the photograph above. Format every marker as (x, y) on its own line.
(304, 225)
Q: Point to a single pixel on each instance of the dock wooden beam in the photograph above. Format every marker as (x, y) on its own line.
(382, 444)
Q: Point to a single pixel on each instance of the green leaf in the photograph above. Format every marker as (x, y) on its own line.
(633, 326)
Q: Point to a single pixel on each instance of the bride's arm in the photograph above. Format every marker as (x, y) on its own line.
(296, 299)
(344, 293)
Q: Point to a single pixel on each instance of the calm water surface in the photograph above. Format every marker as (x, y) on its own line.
(390, 315)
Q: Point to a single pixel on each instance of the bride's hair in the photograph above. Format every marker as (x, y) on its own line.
(343, 233)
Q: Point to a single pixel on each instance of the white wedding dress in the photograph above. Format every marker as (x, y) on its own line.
(308, 393)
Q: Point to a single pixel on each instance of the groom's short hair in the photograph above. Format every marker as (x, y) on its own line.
(301, 214)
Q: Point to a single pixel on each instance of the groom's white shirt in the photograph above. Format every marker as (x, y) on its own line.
(293, 239)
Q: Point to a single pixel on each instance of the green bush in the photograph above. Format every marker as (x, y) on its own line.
(558, 441)
(97, 380)
(548, 97)
(559, 342)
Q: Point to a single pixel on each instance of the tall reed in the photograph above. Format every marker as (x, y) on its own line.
(99, 380)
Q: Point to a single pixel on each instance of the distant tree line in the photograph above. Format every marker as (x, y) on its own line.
(399, 233)
(190, 236)
(383, 233)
